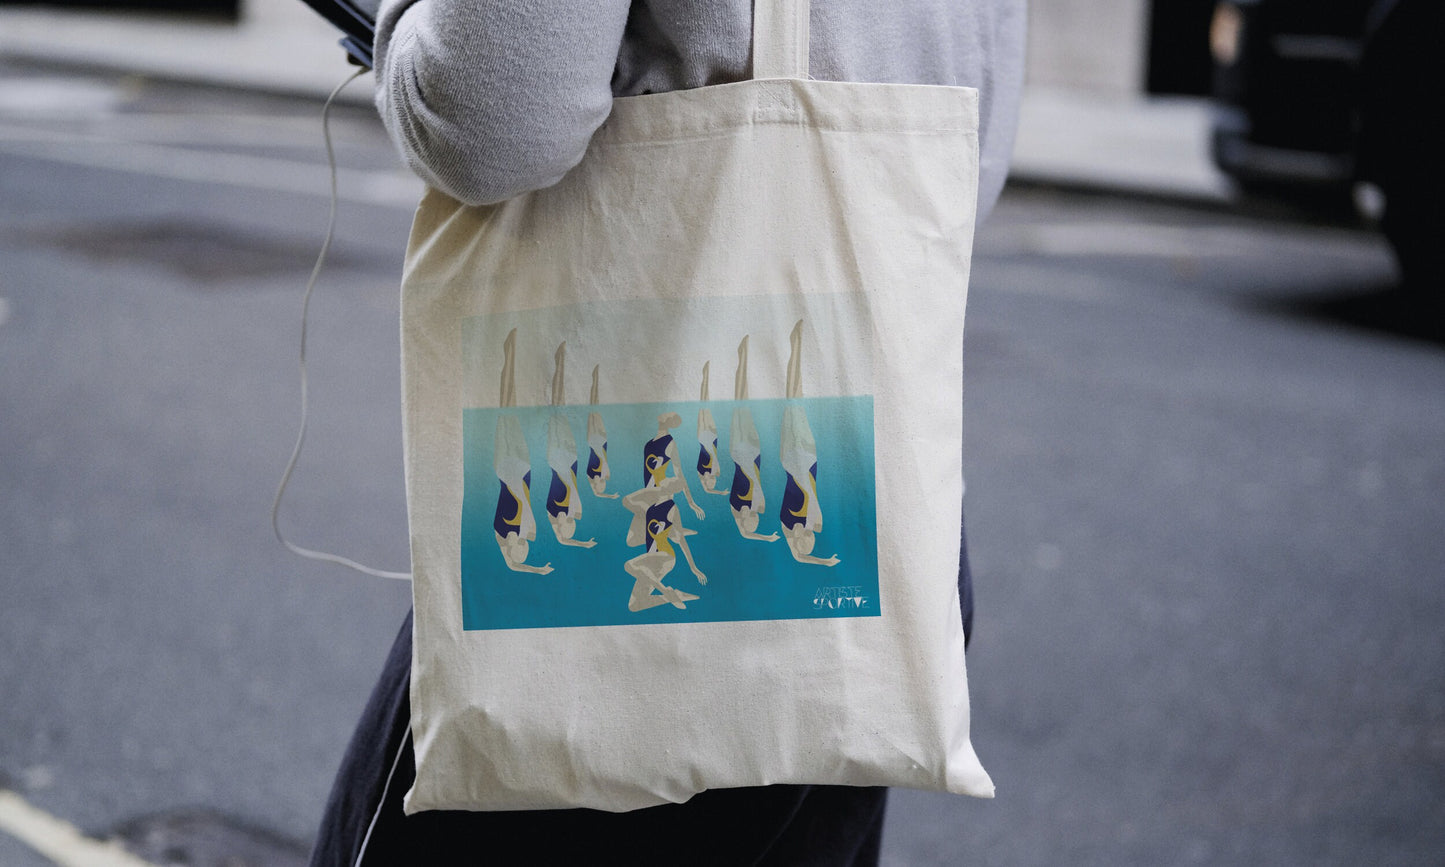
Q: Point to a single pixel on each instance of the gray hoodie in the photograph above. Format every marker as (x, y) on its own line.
(490, 98)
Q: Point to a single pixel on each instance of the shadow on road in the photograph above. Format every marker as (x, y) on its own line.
(1386, 308)
(203, 252)
(203, 838)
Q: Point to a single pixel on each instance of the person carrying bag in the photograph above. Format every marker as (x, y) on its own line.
(632, 584)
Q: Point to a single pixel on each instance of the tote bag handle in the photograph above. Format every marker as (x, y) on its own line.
(780, 38)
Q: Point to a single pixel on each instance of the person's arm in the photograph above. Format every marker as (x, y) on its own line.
(1001, 90)
(681, 540)
(680, 474)
(490, 98)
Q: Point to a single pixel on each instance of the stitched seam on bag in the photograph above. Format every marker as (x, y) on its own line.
(723, 133)
(655, 124)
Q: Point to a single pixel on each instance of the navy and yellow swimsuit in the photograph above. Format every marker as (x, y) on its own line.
(795, 500)
(705, 463)
(659, 523)
(509, 505)
(594, 462)
(741, 493)
(655, 460)
(559, 498)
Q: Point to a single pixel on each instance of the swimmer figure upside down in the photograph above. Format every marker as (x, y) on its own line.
(598, 472)
(564, 505)
(746, 450)
(513, 523)
(801, 516)
(707, 460)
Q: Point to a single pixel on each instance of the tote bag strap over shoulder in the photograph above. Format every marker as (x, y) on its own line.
(780, 39)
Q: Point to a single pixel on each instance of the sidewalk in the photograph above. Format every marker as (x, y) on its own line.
(1157, 147)
(279, 46)
(1067, 138)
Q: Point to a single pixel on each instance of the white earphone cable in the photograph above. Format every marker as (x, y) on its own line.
(305, 308)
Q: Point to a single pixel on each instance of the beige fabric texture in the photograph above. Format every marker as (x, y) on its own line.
(813, 195)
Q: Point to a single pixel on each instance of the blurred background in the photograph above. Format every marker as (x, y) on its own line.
(1204, 417)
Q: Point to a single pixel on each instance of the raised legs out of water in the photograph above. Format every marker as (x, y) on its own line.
(513, 523)
(802, 515)
(746, 450)
(598, 472)
(656, 519)
(707, 460)
(564, 504)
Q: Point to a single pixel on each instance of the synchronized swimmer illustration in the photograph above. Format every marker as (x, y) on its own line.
(656, 521)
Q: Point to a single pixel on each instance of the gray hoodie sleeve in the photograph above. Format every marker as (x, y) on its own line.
(486, 99)
(489, 98)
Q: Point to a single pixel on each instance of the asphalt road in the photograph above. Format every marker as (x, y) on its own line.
(1204, 465)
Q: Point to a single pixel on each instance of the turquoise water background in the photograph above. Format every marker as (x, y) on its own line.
(747, 579)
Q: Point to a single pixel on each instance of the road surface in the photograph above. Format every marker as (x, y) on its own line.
(1203, 457)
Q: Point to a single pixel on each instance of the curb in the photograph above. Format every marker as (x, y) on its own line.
(355, 96)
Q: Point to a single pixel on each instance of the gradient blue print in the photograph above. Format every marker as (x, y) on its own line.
(748, 579)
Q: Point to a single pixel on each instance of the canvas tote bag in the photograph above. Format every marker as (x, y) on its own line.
(683, 452)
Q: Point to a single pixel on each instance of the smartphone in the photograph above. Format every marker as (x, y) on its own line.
(357, 21)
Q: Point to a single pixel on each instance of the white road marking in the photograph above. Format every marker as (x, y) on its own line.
(234, 130)
(57, 839)
(290, 176)
(1149, 240)
(57, 97)
(1051, 281)
(1122, 239)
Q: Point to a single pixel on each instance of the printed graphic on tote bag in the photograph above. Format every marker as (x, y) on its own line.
(672, 536)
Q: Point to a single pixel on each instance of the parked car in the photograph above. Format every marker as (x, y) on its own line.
(1336, 104)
